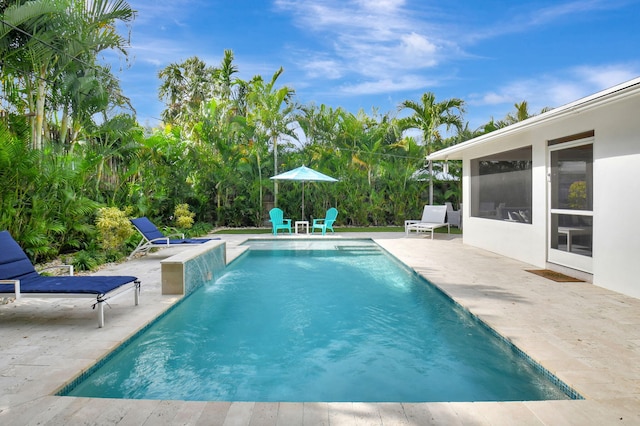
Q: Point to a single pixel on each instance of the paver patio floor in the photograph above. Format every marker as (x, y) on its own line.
(587, 336)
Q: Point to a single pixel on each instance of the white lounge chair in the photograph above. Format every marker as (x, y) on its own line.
(453, 216)
(432, 217)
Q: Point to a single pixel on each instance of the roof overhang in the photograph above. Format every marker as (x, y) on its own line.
(612, 94)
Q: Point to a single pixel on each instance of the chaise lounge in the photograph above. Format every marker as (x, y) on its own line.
(153, 238)
(19, 278)
(433, 217)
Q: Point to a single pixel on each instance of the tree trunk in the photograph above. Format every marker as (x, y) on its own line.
(37, 129)
(260, 182)
(275, 171)
(430, 183)
(64, 125)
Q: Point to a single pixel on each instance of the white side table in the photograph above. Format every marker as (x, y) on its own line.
(302, 223)
(570, 231)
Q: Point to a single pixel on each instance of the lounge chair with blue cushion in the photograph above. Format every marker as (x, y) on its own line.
(433, 217)
(278, 221)
(325, 223)
(153, 238)
(19, 278)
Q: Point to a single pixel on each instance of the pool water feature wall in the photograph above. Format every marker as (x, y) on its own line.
(190, 269)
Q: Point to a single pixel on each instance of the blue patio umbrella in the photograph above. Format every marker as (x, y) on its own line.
(304, 174)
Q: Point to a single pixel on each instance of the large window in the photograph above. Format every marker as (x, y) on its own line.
(501, 186)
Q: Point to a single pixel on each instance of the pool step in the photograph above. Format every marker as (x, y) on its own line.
(359, 249)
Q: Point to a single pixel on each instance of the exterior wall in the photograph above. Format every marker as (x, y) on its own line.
(517, 240)
(616, 233)
(616, 222)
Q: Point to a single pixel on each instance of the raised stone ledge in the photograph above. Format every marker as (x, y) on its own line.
(189, 269)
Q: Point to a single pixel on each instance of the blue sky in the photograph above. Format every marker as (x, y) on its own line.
(374, 54)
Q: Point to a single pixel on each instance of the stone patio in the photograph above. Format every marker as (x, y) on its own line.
(587, 336)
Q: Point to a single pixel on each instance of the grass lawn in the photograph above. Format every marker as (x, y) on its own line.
(337, 229)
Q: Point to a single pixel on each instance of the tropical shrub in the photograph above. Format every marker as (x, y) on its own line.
(200, 228)
(114, 227)
(86, 260)
(184, 217)
(578, 195)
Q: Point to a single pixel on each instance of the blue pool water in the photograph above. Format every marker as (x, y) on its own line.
(318, 321)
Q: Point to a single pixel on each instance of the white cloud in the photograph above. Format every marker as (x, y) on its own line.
(387, 85)
(568, 9)
(608, 75)
(155, 51)
(521, 17)
(377, 46)
(490, 98)
(371, 39)
(398, 48)
(322, 68)
(419, 47)
(553, 90)
(158, 12)
(381, 6)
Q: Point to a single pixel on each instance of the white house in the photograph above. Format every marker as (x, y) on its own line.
(561, 190)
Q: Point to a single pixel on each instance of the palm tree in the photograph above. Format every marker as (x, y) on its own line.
(319, 124)
(52, 37)
(272, 111)
(224, 76)
(185, 89)
(521, 113)
(429, 116)
(83, 93)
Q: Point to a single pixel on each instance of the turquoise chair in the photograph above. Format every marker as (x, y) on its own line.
(327, 222)
(278, 221)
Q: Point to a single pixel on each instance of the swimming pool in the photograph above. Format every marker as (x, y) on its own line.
(318, 320)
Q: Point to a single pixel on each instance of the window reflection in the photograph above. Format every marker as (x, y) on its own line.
(572, 171)
(572, 233)
(501, 186)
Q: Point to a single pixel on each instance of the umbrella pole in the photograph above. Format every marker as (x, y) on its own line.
(302, 200)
